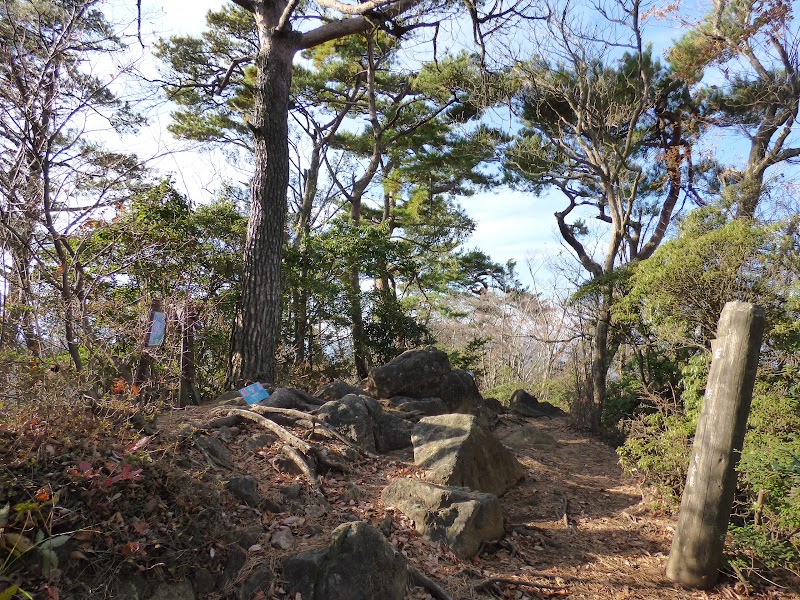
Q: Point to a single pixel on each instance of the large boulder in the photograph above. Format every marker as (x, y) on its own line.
(337, 389)
(527, 405)
(458, 517)
(359, 564)
(425, 406)
(351, 417)
(292, 398)
(424, 373)
(457, 451)
(364, 421)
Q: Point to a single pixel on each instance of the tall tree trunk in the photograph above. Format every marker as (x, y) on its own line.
(356, 315)
(256, 329)
(600, 361)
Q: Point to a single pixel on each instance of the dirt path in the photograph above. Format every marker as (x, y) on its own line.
(613, 544)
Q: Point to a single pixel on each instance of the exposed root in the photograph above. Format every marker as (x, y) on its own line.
(421, 580)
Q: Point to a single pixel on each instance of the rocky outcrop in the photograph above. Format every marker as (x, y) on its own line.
(424, 373)
(527, 405)
(424, 406)
(457, 517)
(292, 398)
(364, 421)
(359, 564)
(457, 451)
(336, 390)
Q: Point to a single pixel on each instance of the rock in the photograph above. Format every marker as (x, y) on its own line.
(487, 418)
(204, 581)
(292, 491)
(353, 492)
(214, 451)
(458, 517)
(415, 373)
(282, 538)
(272, 504)
(351, 417)
(229, 397)
(458, 391)
(335, 390)
(292, 398)
(359, 564)
(458, 452)
(257, 581)
(494, 405)
(244, 537)
(174, 591)
(424, 374)
(131, 587)
(244, 489)
(259, 441)
(286, 465)
(390, 431)
(426, 406)
(530, 437)
(236, 559)
(527, 405)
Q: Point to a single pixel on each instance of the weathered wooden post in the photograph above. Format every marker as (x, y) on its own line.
(699, 540)
(188, 393)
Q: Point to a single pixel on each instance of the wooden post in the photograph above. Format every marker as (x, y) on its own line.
(699, 540)
(188, 393)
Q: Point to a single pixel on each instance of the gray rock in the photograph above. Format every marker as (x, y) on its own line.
(425, 406)
(214, 451)
(527, 405)
(292, 491)
(335, 390)
(390, 431)
(257, 581)
(359, 564)
(131, 587)
(458, 452)
(174, 591)
(457, 517)
(353, 492)
(530, 437)
(458, 391)
(244, 489)
(415, 373)
(236, 559)
(494, 405)
(204, 581)
(291, 398)
(244, 537)
(259, 441)
(284, 464)
(351, 417)
(282, 538)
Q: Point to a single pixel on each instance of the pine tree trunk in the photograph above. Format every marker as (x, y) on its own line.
(256, 329)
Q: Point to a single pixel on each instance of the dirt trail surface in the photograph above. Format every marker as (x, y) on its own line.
(154, 510)
(575, 526)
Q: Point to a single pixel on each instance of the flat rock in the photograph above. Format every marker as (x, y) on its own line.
(530, 437)
(282, 538)
(292, 398)
(359, 564)
(426, 406)
(458, 452)
(457, 517)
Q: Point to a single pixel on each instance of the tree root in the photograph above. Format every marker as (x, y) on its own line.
(421, 580)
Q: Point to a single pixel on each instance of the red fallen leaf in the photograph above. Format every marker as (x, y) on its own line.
(130, 548)
(140, 527)
(43, 494)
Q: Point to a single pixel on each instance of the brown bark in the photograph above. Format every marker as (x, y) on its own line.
(255, 337)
